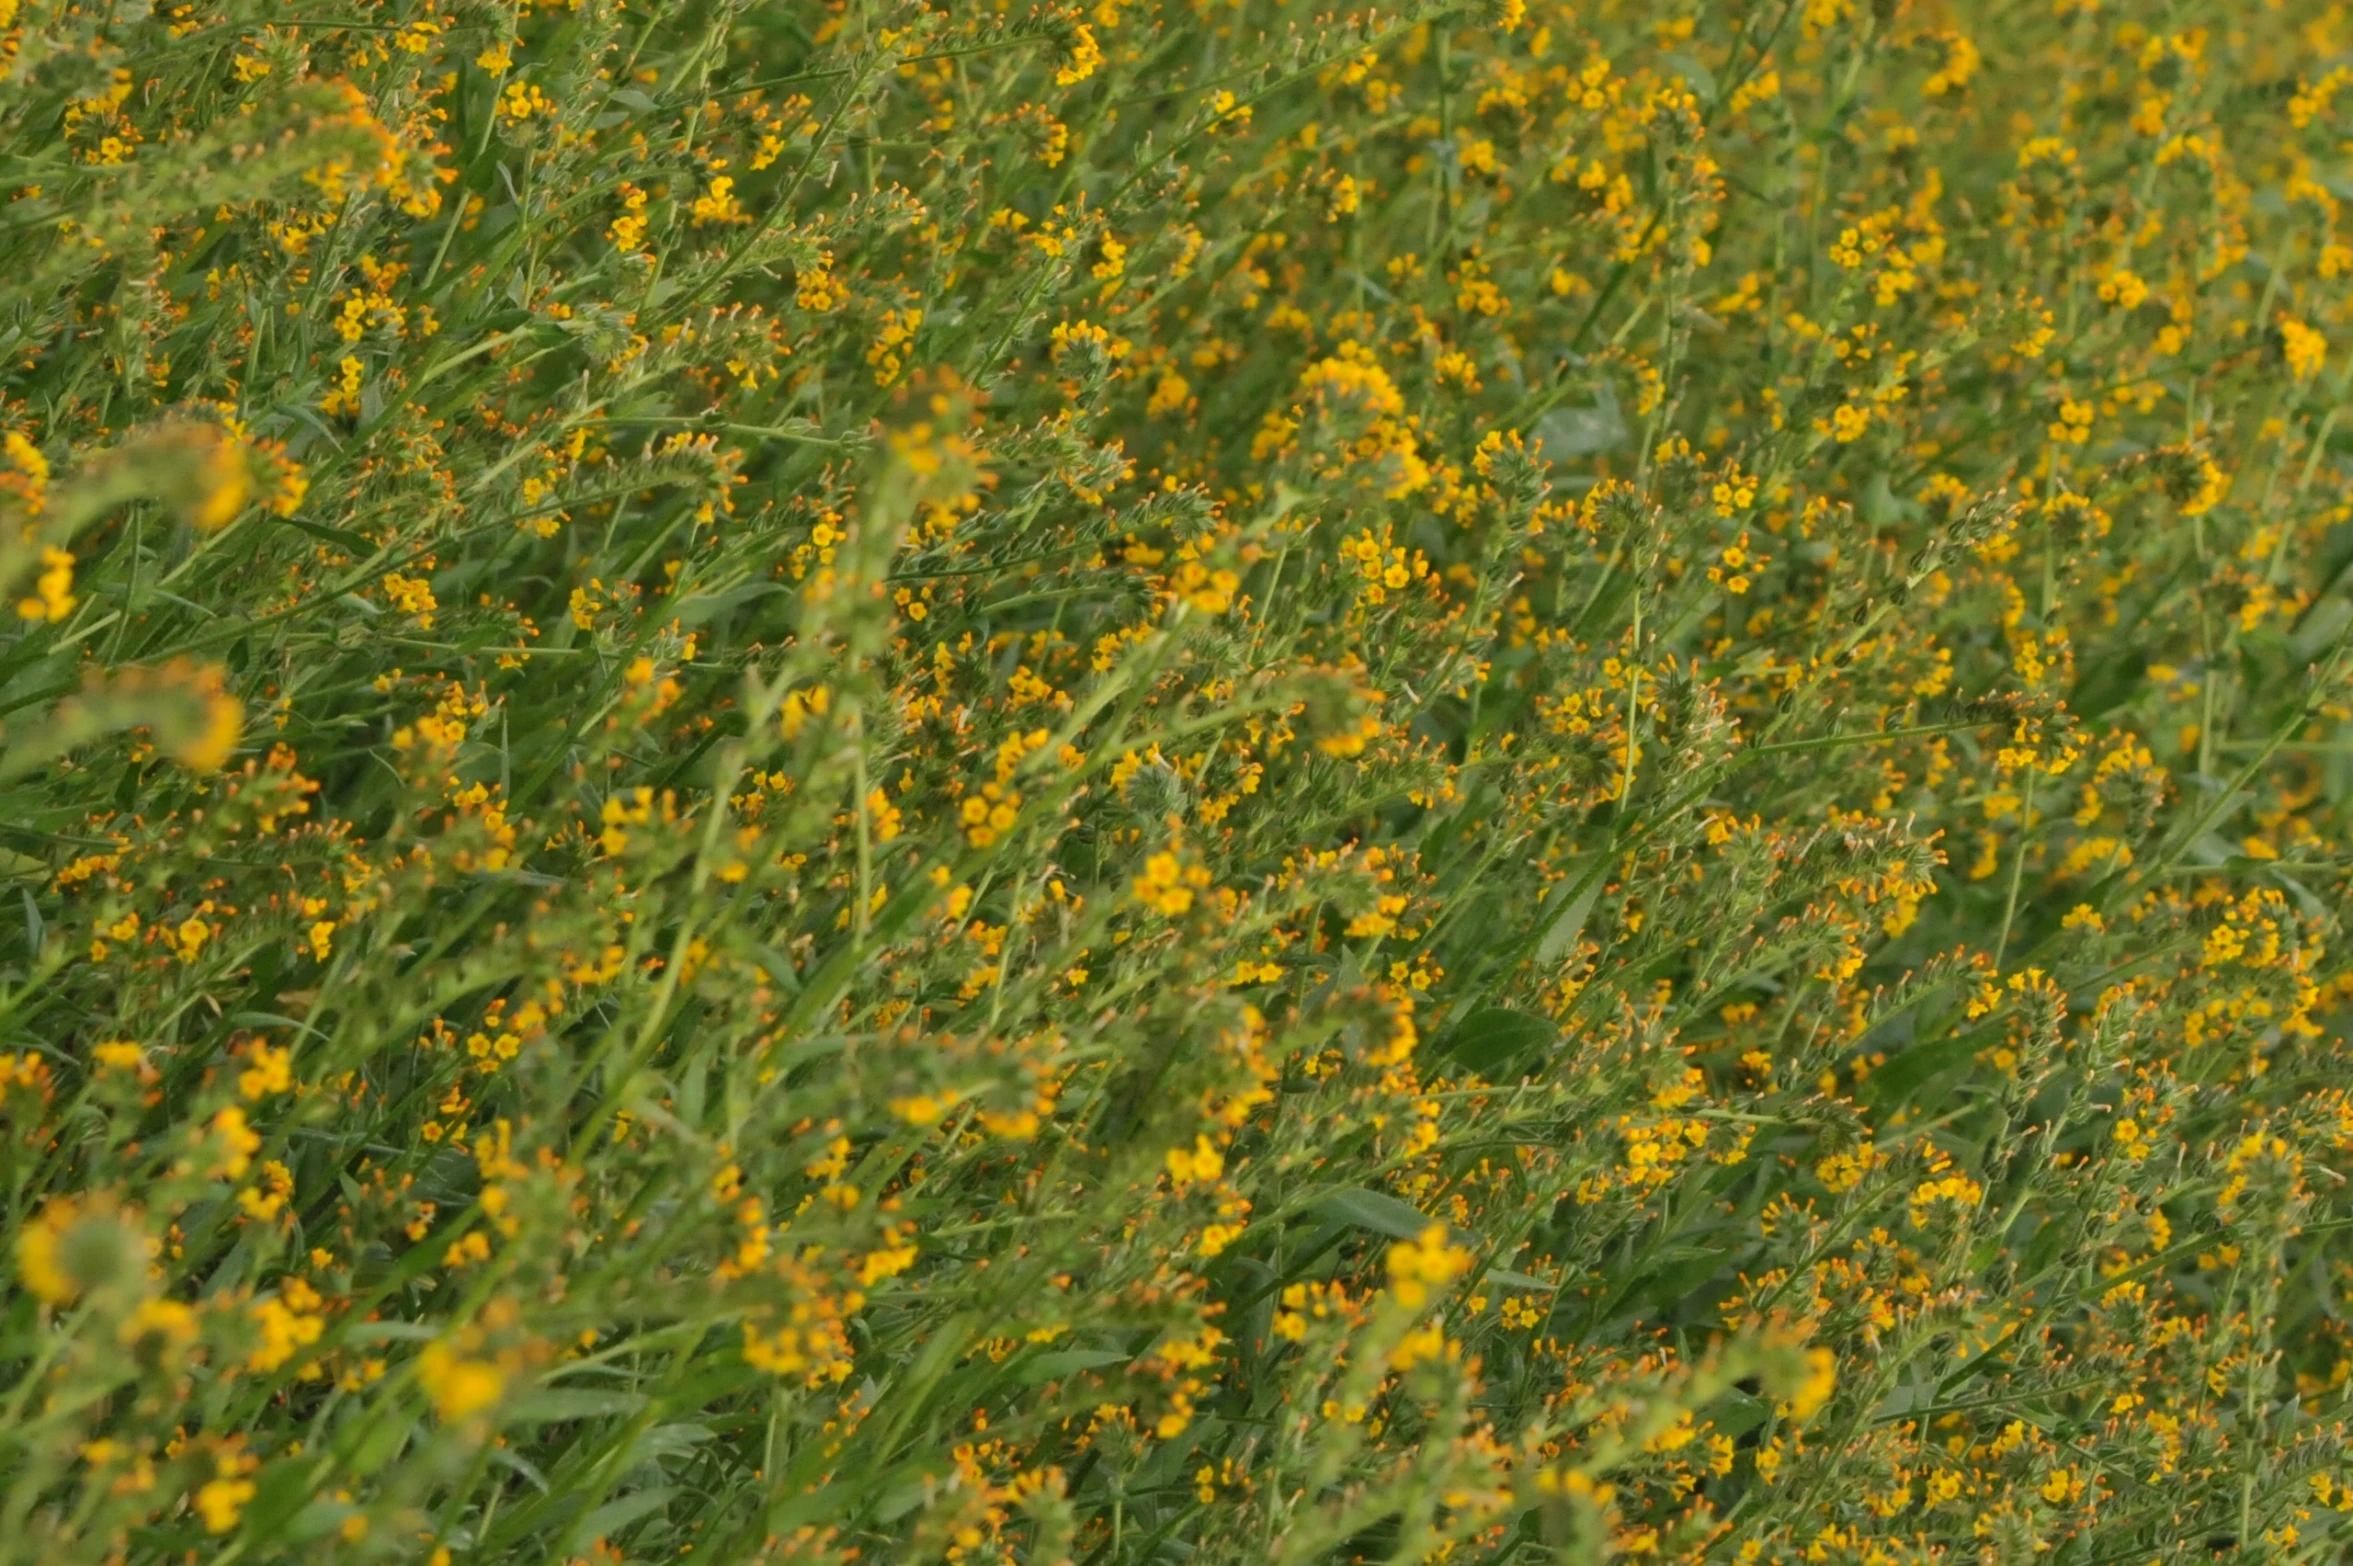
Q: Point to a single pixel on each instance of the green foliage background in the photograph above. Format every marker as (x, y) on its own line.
(1174, 782)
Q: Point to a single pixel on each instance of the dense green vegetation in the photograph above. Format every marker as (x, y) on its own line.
(1174, 782)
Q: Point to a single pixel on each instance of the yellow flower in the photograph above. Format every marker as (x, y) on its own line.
(1202, 1161)
(2306, 349)
(223, 481)
(75, 1245)
(168, 1320)
(627, 231)
(458, 1383)
(52, 598)
(237, 1143)
(38, 1263)
(289, 1321)
(271, 1072)
(221, 1502)
(1086, 57)
(118, 1055)
(25, 477)
(1168, 885)
(2123, 289)
(342, 398)
(521, 101)
(921, 1110)
(1416, 1265)
(1843, 1171)
(718, 204)
(1821, 1379)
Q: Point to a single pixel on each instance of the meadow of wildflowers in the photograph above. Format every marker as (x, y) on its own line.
(1175, 781)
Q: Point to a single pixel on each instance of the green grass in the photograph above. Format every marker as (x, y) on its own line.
(1174, 782)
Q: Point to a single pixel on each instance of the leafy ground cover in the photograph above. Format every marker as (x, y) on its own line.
(1174, 782)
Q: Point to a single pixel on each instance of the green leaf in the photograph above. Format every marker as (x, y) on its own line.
(1069, 1362)
(394, 1332)
(618, 1513)
(1893, 1084)
(378, 1442)
(555, 1403)
(1702, 80)
(672, 1440)
(1377, 1211)
(1518, 1280)
(1737, 1412)
(1495, 1036)
(1571, 923)
(282, 1491)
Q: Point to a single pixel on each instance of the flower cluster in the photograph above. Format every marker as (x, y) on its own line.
(1094, 781)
